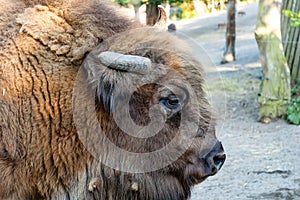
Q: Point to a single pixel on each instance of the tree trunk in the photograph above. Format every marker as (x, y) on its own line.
(213, 6)
(275, 87)
(290, 39)
(152, 12)
(222, 5)
(136, 5)
(229, 54)
(137, 13)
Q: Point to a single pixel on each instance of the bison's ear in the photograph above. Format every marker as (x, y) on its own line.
(105, 95)
(109, 85)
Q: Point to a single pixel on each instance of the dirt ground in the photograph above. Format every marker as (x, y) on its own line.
(263, 160)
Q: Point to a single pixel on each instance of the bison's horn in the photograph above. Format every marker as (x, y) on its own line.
(123, 62)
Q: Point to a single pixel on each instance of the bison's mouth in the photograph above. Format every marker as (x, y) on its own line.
(201, 167)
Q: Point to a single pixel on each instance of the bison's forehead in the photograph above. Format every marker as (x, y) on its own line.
(168, 54)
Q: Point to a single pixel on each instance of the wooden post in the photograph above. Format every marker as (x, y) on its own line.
(291, 39)
(229, 54)
(152, 12)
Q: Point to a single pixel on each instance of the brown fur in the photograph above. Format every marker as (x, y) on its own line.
(41, 156)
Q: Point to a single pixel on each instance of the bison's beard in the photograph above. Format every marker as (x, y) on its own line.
(173, 182)
(157, 185)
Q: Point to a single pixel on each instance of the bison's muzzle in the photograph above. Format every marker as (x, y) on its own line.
(200, 167)
(214, 160)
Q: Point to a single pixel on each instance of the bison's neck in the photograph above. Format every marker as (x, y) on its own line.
(39, 145)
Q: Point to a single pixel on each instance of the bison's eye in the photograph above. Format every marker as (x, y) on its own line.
(171, 102)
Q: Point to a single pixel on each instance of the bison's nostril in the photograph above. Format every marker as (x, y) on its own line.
(219, 160)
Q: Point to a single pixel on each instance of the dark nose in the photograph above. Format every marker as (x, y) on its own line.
(215, 159)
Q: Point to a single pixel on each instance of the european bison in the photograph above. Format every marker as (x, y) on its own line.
(91, 108)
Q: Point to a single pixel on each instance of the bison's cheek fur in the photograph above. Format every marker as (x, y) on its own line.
(41, 156)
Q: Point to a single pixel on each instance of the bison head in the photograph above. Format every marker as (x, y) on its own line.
(141, 111)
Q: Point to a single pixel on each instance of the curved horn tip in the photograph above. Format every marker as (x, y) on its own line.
(130, 63)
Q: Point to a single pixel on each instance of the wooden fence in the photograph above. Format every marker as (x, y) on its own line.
(291, 39)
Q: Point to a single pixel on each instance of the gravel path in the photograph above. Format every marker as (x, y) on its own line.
(263, 161)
